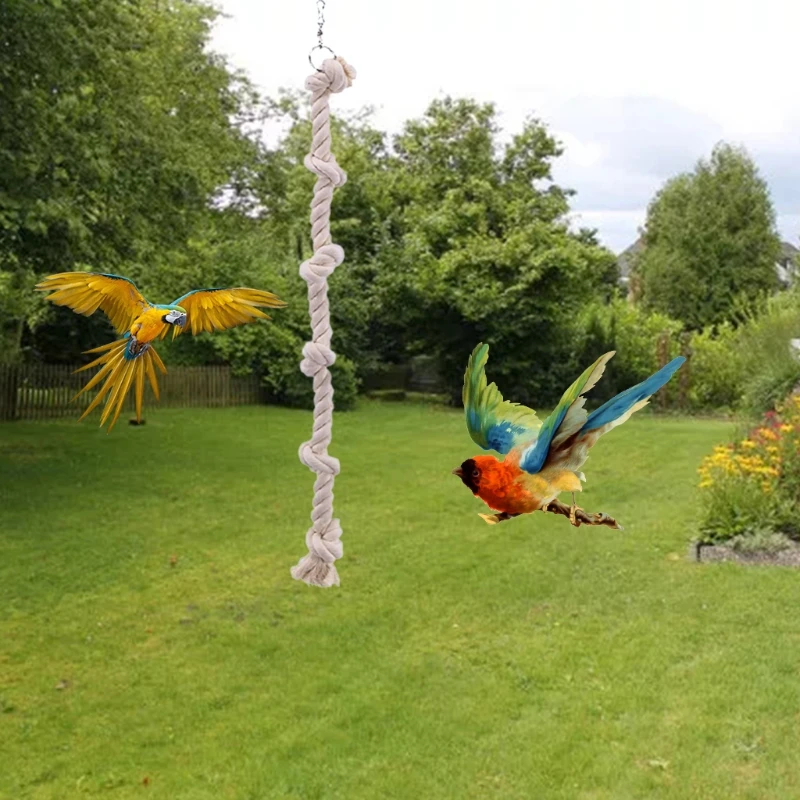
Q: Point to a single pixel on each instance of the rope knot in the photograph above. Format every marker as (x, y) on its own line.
(316, 357)
(322, 263)
(326, 544)
(321, 463)
(326, 168)
(334, 74)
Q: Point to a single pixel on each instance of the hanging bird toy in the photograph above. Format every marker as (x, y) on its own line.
(323, 539)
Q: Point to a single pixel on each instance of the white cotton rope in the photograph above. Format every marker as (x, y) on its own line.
(324, 536)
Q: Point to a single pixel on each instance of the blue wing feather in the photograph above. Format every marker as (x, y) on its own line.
(492, 422)
(533, 458)
(622, 403)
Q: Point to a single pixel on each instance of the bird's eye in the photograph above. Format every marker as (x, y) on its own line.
(476, 473)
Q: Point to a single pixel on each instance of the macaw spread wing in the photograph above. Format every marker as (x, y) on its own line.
(219, 309)
(494, 423)
(85, 292)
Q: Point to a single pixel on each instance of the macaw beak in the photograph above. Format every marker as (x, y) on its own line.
(458, 471)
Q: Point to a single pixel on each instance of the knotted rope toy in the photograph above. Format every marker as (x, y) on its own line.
(323, 539)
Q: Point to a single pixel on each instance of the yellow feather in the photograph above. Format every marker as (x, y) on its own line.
(103, 391)
(116, 379)
(104, 346)
(151, 373)
(112, 360)
(130, 368)
(139, 389)
(158, 361)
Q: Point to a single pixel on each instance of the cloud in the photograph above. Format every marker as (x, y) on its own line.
(620, 151)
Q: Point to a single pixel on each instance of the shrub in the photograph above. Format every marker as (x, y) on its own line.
(770, 368)
(634, 334)
(717, 369)
(274, 353)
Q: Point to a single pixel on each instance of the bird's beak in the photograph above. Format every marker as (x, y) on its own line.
(458, 471)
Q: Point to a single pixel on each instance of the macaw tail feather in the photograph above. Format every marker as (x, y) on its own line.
(119, 370)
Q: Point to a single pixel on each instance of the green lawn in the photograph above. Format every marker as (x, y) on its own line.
(457, 660)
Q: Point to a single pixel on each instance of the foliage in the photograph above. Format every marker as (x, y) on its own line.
(482, 251)
(274, 352)
(754, 484)
(633, 332)
(749, 367)
(450, 237)
(710, 241)
(118, 130)
(771, 367)
(717, 368)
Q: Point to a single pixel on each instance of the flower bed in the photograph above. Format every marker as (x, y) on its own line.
(750, 488)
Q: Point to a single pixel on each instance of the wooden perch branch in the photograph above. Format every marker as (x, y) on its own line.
(581, 516)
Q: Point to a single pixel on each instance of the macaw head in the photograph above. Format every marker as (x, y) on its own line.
(175, 316)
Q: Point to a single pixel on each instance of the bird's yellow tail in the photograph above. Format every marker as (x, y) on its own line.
(120, 373)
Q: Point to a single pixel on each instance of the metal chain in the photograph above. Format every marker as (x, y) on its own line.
(320, 21)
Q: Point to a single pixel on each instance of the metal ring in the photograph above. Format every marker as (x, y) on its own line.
(319, 47)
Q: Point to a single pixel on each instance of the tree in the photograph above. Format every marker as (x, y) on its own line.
(710, 241)
(450, 237)
(118, 129)
(480, 250)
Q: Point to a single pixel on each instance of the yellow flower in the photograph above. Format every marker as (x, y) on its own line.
(786, 428)
(768, 434)
(748, 444)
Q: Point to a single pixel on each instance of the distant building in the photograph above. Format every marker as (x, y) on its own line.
(787, 267)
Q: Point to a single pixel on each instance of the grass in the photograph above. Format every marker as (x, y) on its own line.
(457, 660)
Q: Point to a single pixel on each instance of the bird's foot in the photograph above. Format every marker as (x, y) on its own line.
(577, 516)
(493, 519)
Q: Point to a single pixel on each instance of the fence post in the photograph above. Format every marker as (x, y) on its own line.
(9, 379)
(662, 354)
(685, 372)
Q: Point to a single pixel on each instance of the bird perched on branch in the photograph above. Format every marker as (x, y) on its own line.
(126, 361)
(541, 459)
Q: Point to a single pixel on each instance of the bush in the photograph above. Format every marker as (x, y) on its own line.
(634, 334)
(753, 485)
(770, 367)
(286, 385)
(749, 367)
(717, 369)
(274, 353)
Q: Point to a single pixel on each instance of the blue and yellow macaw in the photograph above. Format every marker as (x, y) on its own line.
(541, 459)
(126, 360)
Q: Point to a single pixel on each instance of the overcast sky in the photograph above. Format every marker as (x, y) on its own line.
(637, 90)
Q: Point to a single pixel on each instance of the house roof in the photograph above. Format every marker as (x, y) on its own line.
(626, 257)
(789, 250)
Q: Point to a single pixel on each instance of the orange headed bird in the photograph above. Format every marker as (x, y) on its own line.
(541, 459)
(126, 360)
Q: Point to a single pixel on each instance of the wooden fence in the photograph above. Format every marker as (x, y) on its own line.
(45, 391)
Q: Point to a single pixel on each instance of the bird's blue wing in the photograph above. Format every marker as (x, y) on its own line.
(567, 416)
(492, 422)
(620, 407)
